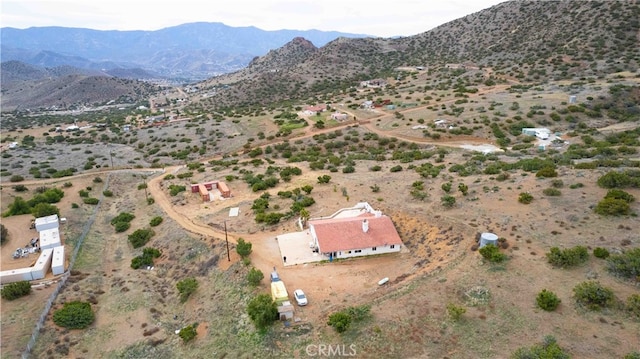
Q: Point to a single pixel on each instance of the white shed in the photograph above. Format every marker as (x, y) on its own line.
(57, 262)
(49, 238)
(41, 268)
(47, 222)
(15, 275)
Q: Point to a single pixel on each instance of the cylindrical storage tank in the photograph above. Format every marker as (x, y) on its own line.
(488, 238)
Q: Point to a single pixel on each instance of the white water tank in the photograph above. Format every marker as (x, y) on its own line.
(488, 238)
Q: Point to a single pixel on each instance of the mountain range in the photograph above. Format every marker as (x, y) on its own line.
(519, 41)
(191, 51)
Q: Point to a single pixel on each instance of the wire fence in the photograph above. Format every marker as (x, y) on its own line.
(65, 276)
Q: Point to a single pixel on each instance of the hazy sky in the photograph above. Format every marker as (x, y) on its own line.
(373, 17)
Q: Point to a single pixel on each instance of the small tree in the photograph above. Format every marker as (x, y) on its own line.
(340, 321)
(74, 315)
(547, 300)
(188, 333)
(492, 253)
(525, 198)
(262, 310)
(455, 311)
(254, 277)
(243, 248)
(140, 237)
(44, 210)
(307, 188)
(186, 287)
(593, 295)
(16, 290)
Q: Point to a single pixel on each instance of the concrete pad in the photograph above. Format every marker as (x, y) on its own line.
(296, 247)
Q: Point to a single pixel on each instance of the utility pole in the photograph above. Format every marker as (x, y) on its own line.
(226, 239)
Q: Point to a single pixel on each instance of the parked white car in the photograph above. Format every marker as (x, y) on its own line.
(301, 299)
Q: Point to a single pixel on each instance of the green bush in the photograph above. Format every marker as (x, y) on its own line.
(397, 168)
(123, 217)
(121, 226)
(90, 200)
(188, 333)
(551, 192)
(549, 348)
(262, 310)
(613, 207)
(254, 277)
(83, 193)
(593, 295)
(632, 355)
(243, 248)
(568, 257)
(626, 265)
(547, 300)
(557, 183)
(525, 198)
(146, 259)
(633, 305)
(186, 287)
(107, 193)
(340, 321)
(16, 290)
(600, 252)
(455, 311)
(140, 237)
(44, 210)
(155, 221)
(547, 172)
(74, 315)
(492, 253)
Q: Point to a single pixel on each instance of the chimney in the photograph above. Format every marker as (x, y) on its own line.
(365, 226)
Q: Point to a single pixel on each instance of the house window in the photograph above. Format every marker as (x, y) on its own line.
(393, 246)
(358, 251)
(348, 252)
(374, 248)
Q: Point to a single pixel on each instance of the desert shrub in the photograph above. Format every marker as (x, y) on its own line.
(97, 180)
(547, 172)
(121, 226)
(175, 189)
(146, 259)
(547, 300)
(593, 295)
(568, 257)
(140, 237)
(262, 310)
(90, 200)
(340, 321)
(632, 355)
(397, 168)
(186, 287)
(83, 193)
(74, 315)
(348, 169)
(620, 194)
(455, 311)
(557, 183)
(188, 333)
(633, 305)
(612, 207)
(551, 192)
(243, 248)
(15, 290)
(324, 179)
(626, 264)
(155, 221)
(375, 168)
(122, 217)
(448, 201)
(600, 252)
(492, 253)
(16, 178)
(20, 188)
(359, 312)
(44, 209)
(74, 205)
(525, 198)
(549, 348)
(254, 277)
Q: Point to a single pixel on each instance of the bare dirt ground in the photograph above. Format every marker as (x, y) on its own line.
(138, 311)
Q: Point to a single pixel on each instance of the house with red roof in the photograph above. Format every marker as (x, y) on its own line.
(365, 234)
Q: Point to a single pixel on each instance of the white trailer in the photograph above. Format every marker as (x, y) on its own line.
(41, 268)
(57, 262)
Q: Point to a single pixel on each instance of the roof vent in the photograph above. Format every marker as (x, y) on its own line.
(365, 226)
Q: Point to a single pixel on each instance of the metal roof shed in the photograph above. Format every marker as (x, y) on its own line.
(57, 262)
(48, 222)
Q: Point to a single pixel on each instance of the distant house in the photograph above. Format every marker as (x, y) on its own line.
(373, 83)
(541, 133)
(338, 116)
(365, 234)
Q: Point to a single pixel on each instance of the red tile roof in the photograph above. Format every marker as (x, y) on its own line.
(343, 234)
